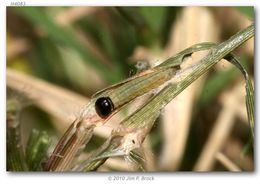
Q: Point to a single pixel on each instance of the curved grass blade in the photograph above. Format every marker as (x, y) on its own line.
(249, 91)
(130, 127)
(120, 94)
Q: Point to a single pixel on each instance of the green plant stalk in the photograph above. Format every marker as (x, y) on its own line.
(80, 131)
(125, 91)
(171, 91)
(137, 119)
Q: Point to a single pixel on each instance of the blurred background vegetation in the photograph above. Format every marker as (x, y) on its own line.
(84, 49)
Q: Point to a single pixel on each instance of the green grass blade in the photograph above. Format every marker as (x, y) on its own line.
(249, 91)
(62, 35)
(138, 120)
(36, 150)
(14, 152)
(247, 10)
(154, 17)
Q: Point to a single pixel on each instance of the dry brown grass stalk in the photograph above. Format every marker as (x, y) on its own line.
(60, 103)
(225, 161)
(16, 47)
(221, 130)
(68, 17)
(177, 114)
(244, 162)
(73, 14)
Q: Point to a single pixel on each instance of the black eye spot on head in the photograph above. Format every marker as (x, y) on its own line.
(104, 106)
